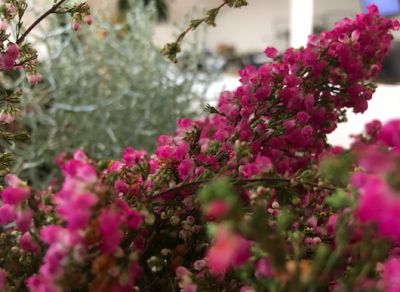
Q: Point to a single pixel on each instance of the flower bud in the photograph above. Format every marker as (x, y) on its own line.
(89, 19)
(76, 25)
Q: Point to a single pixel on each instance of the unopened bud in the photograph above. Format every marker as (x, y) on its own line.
(76, 25)
(89, 19)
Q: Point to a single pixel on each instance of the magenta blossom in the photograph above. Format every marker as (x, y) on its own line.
(391, 275)
(390, 133)
(228, 250)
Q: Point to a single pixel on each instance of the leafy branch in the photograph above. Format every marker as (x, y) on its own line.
(171, 50)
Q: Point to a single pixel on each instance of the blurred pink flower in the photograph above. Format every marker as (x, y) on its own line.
(391, 275)
(228, 250)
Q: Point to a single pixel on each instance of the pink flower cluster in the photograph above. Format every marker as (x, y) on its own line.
(379, 199)
(74, 204)
(284, 109)
(8, 59)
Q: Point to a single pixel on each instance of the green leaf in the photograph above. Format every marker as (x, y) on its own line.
(339, 199)
(237, 3)
(211, 16)
(285, 220)
(210, 109)
(337, 169)
(218, 189)
(194, 23)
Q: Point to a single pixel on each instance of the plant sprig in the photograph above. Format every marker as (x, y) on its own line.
(172, 49)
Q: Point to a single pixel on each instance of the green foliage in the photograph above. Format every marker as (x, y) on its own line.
(337, 169)
(160, 5)
(340, 199)
(106, 91)
(220, 189)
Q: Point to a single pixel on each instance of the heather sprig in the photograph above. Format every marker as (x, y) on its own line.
(18, 55)
(172, 49)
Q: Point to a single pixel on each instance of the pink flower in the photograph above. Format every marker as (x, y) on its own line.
(217, 209)
(52, 261)
(164, 140)
(261, 164)
(185, 168)
(13, 181)
(181, 151)
(263, 268)
(199, 265)
(133, 218)
(115, 166)
(110, 221)
(53, 234)
(27, 243)
(331, 224)
(181, 272)
(75, 209)
(3, 25)
(249, 170)
(2, 279)
(165, 151)
(390, 133)
(15, 195)
(79, 169)
(307, 131)
(355, 35)
(40, 283)
(190, 288)
(35, 79)
(373, 128)
(13, 51)
(6, 118)
(380, 205)
(228, 250)
(80, 155)
(76, 25)
(120, 186)
(184, 123)
(89, 19)
(302, 118)
(7, 214)
(24, 220)
(391, 275)
(132, 157)
(271, 52)
(60, 158)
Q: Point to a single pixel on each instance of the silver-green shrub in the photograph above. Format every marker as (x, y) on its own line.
(108, 90)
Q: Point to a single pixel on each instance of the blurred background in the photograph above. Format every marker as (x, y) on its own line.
(107, 86)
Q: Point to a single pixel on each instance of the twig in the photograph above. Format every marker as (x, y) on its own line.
(235, 182)
(202, 182)
(170, 50)
(37, 21)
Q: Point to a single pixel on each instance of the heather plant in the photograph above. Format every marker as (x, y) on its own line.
(18, 56)
(104, 89)
(249, 198)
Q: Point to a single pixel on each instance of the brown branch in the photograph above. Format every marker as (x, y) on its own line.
(235, 182)
(202, 182)
(182, 35)
(37, 21)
